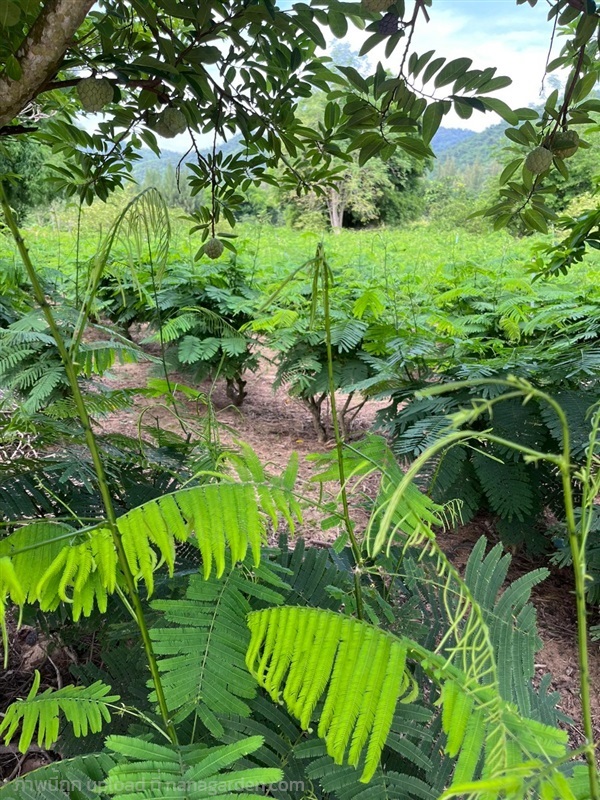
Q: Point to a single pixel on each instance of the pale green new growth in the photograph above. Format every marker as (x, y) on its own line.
(302, 655)
(85, 707)
(49, 562)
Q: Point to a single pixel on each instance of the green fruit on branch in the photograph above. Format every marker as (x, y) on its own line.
(168, 123)
(376, 5)
(158, 126)
(213, 248)
(94, 93)
(539, 160)
(565, 144)
(174, 120)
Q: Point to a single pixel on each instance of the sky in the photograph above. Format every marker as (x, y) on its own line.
(494, 33)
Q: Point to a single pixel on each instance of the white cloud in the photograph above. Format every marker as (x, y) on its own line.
(513, 39)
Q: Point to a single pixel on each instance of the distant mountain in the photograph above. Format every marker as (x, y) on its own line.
(150, 161)
(446, 138)
(472, 160)
(484, 147)
(460, 153)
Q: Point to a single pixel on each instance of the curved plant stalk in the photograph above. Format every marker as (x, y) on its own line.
(323, 270)
(144, 229)
(150, 207)
(90, 438)
(163, 356)
(577, 535)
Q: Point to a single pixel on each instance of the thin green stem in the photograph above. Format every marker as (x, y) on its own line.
(77, 247)
(577, 537)
(578, 555)
(92, 444)
(161, 338)
(339, 444)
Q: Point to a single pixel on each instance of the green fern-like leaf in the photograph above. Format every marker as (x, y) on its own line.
(373, 455)
(175, 328)
(577, 407)
(168, 772)
(454, 476)
(531, 780)
(511, 620)
(32, 549)
(302, 655)
(69, 779)
(346, 335)
(467, 646)
(314, 579)
(16, 355)
(204, 320)
(192, 349)
(340, 781)
(98, 405)
(84, 707)
(305, 656)
(81, 567)
(10, 587)
(280, 749)
(95, 358)
(19, 573)
(201, 656)
(276, 495)
(506, 484)
(43, 389)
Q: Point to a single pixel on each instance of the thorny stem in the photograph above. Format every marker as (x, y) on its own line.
(111, 517)
(321, 263)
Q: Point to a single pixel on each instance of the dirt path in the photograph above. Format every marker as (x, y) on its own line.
(275, 425)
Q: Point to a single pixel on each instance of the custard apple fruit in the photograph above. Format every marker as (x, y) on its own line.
(94, 93)
(376, 5)
(174, 120)
(565, 144)
(539, 160)
(389, 24)
(213, 248)
(158, 126)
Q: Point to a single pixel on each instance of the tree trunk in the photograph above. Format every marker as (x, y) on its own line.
(314, 406)
(40, 53)
(336, 206)
(236, 390)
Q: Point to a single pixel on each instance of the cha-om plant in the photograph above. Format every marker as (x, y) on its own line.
(360, 683)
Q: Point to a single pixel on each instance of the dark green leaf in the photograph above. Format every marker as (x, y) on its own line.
(509, 170)
(338, 24)
(432, 119)
(507, 114)
(452, 71)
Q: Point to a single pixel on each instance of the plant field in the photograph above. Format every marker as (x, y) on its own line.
(299, 419)
(420, 247)
(401, 310)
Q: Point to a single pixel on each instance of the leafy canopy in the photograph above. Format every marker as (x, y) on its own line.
(231, 68)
